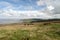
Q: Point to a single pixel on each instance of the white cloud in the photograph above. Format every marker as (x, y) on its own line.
(40, 2)
(47, 3)
(10, 13)
(25, 7)
(7, 5)
(52, 7)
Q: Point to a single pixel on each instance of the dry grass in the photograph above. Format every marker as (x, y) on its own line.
(34, 31)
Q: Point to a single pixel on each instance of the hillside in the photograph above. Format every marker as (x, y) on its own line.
(40, 20)
(30, 31)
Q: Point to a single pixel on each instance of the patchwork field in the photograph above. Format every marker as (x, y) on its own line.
(30, 31)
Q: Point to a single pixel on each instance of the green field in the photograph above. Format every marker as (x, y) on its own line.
(37, 31)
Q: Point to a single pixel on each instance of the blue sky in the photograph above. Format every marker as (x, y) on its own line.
(24, 3)
(29, 9)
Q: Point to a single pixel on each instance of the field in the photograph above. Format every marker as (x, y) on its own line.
(30, 31)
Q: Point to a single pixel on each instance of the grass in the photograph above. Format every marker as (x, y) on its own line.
(30, 32)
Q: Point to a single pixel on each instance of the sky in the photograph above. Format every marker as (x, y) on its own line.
(25, 9)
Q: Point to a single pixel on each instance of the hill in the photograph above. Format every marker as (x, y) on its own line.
(30, 31)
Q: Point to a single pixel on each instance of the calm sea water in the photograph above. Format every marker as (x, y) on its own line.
(7, 21)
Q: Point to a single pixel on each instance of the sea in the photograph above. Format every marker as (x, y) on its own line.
(8, 21)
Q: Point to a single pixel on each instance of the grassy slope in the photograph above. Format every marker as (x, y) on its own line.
(37, 31)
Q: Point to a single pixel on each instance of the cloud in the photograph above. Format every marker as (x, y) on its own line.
(25, 7)
(40, 2)
(47, 3)
(56, 5)
(5, 4)
(52, 7)
(8, 5)
(10, 11)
